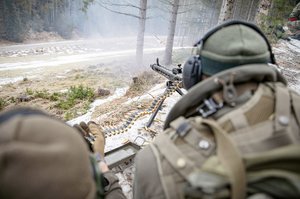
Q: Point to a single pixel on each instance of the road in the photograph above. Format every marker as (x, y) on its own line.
(31, 60)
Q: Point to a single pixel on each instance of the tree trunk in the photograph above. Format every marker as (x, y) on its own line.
(2, 21)
(226, 10)
(141, 32)
(171, 34)
(263, 9)
(253, 10)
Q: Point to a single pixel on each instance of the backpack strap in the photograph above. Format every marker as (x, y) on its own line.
(175, 157)
(282, 107)
(295, 100)
(167, 181)
(229, 157)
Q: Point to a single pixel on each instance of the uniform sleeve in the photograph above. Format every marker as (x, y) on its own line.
(113, 189)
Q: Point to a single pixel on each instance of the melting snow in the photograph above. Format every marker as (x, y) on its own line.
(87, 117)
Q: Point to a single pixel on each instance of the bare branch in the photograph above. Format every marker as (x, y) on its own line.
(118, 12)
(121, 4)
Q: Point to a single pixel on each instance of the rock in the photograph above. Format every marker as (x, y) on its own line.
(24, 98)
(135, 80)
(102, 92)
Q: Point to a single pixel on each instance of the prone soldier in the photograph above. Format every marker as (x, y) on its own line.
(294, 22)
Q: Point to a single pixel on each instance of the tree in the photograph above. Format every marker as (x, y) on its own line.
(171, 33)
(227, 10)
(263, 9)
(13, 24)
(193, 21)
(141, 32)
(142, 16)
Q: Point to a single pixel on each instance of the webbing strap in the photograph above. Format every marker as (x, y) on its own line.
(167, 181)
(229, 157)
(296, 105)
(282, 107)
(179, 161)
(192, 136)
(239, 120)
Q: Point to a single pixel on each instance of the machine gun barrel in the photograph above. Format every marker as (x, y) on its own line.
(170, 74)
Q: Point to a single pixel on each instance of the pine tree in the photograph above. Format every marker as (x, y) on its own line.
(13, 24)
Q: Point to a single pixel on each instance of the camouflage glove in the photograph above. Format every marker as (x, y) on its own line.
(93, 135)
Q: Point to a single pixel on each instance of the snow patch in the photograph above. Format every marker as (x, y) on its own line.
(87, 117)
(4, 81)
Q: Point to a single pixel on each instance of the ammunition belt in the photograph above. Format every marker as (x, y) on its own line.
(131, 118)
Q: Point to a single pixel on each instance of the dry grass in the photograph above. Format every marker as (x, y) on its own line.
(46, 93)
(117, 110)
(53, 99)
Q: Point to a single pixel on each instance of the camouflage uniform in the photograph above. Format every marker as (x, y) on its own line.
(294, 20)
(183, 161)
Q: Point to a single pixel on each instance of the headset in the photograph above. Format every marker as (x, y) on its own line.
(192, 69)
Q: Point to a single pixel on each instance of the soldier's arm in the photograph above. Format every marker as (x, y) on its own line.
(112, 188)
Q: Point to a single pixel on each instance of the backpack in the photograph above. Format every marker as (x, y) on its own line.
(244, 153)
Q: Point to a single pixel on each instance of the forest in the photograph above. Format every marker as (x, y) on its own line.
(18, 18)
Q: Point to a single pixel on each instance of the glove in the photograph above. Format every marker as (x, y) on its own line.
(99, 142)
(93, 135)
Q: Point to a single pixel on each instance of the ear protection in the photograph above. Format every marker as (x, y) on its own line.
(192, 69)
(191, 74)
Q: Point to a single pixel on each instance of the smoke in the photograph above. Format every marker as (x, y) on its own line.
(100, 22)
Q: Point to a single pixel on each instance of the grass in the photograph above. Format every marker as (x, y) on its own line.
(74, 95)
(3, 103)
(69, 104)
(144, 81)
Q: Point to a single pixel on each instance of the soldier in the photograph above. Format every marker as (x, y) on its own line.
(294, 22)
(41, 157)
(235, 134)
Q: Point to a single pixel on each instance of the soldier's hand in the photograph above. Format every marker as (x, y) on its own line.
(93, 135)
(85, 134)
(99, 142)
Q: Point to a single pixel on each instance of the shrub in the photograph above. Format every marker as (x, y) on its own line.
(3, 103)
(29, 91)
(76, 93)
(55, 96)
(81, 93)
(44, 94)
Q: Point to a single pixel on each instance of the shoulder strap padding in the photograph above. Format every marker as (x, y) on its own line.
(204, 89)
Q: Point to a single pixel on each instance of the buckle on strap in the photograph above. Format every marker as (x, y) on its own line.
(209, 107)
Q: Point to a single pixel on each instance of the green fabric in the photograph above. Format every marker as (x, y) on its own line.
(211, 67)
(232, 46)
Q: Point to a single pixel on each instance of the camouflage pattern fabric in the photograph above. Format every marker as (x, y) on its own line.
(294, 20)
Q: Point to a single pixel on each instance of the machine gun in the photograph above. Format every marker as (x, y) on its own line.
(174, 76)
(171, 75)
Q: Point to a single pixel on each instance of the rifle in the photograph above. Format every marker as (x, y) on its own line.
(174, 75)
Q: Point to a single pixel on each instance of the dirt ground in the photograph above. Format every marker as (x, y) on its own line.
(104, 76)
